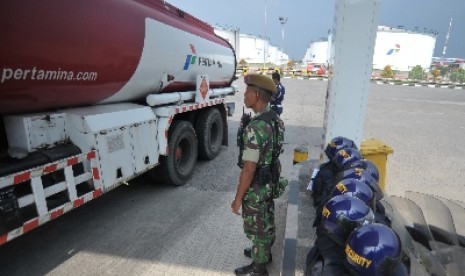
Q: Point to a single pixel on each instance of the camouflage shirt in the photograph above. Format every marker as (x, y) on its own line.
(258, 140)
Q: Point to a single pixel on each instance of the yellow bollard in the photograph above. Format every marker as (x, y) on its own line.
(300, 155)
(376, 151)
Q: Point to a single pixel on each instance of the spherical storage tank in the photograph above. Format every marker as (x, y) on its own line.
(403, 49)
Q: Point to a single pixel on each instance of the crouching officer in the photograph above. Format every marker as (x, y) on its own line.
(260, 141)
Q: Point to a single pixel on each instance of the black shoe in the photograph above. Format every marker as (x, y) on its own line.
(248, 253)
(252, 269)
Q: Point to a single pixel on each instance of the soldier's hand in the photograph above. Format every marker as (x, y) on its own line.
(235, 206)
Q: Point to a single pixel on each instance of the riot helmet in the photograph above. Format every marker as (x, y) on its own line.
(344, 157)
(338, 143)
(373, 250)
(342, 214)
(368, 166)
(365, 177)
(355, 188)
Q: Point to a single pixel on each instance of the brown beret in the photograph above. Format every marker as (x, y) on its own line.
(260, 81)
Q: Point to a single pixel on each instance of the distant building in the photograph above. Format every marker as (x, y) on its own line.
(400, 48)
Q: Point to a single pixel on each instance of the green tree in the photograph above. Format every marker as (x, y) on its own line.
(458, 75)
(417, 73)
(387, 72)
(444, 70)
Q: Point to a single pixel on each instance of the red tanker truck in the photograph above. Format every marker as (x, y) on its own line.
(96, 92)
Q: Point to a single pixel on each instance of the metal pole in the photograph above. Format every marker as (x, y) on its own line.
(283, 21)
(264, 40)
(447, 39)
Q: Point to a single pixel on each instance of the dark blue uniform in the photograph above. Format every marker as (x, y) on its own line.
(277, 99)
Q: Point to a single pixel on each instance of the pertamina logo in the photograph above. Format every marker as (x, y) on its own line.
(194, 60)
(394, 50)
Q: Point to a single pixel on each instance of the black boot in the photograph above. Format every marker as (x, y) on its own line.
(252, 269)
(248, 254)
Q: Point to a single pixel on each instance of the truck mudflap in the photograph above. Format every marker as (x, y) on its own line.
(426, 225)
(33, 197)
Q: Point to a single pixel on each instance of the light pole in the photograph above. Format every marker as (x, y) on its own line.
(283, 21)
(264, 40)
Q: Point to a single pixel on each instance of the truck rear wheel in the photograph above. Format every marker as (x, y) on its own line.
(209, 129)
(178, 165)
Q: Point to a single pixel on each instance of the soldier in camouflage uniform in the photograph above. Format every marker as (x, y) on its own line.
(254, 192)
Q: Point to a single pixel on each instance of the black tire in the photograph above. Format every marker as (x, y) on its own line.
(209, 129)
(178, 165)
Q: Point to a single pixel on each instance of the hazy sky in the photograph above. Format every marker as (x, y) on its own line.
(310, 20)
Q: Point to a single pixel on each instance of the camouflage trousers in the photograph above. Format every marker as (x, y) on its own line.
(258, 216)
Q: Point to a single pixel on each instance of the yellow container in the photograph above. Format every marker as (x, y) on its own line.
(376, 151)
(300, 155)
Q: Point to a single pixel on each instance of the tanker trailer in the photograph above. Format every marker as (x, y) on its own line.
(96, 92)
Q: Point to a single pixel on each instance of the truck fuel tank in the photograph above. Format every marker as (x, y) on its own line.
(57, 54)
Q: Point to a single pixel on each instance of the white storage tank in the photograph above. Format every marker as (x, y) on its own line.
(253, 49)
(400, 48)
(231, 34)
(317, 52)
(273, 54)
(403, 49)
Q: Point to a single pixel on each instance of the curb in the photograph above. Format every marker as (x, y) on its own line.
(290, 235)
(450, 86)
(375, 81)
